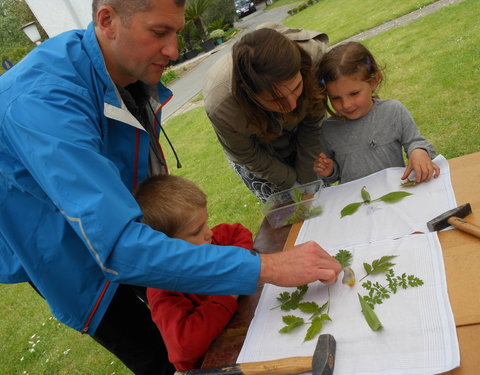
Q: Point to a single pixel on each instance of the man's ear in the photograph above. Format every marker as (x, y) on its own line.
(107, 20)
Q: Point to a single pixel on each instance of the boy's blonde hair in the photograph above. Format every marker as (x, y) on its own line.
(169, 202)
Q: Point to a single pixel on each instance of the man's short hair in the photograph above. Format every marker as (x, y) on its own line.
(169, 202)
(126, 8)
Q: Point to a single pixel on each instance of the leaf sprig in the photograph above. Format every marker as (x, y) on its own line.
(378, 266)
(377, 292)
(289, 301)
(392, 197)
(344, 257)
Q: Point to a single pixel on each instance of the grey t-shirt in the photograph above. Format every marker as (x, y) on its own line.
(373, 142)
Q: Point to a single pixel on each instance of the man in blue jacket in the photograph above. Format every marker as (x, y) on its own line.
(78, 131)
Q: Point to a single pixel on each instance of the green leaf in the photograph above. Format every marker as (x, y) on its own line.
(367, 267)
(291, 322)
(365, 195)
(297, 196)
(344, 257)
(350, 209)
(394, 196)
(369, 315)
(314, 329)
(308, 307)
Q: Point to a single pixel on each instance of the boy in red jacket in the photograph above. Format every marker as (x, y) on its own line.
(188, 322)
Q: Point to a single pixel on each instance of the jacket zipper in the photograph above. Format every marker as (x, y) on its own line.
(95, 308)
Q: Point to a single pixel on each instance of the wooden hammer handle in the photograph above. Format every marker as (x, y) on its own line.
(291, 365)
(464, 226)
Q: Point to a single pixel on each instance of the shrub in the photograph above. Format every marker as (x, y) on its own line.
(219, 23)
(168, 76)
(217, 34)
(220, 9)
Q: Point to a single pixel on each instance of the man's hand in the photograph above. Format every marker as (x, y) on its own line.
(299, 265)
(323, 165)
(420, 162)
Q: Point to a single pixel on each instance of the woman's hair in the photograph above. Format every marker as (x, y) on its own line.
(347, 59)
(126, 8)
(169, 202)
(263, 58)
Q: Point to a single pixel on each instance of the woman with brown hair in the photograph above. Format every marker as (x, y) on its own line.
(267, 108)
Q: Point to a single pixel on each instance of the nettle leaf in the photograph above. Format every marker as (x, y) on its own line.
(369, 314)
(350, 209)
(344, 257)
(394, 196)
(365, 195)
(283, 297)
(314, 328)
(291, 322)
(308, 307)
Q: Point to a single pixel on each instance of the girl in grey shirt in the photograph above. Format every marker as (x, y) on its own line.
(366, 134)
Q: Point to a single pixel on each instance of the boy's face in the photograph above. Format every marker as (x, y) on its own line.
(196, 231)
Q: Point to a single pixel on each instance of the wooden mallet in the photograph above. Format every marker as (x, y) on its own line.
(455, 217)
(321, 363)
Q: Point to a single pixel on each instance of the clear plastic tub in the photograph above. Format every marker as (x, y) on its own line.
(293, 205)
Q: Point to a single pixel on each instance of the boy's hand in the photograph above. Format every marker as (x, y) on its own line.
(323, 165)
(420, 162)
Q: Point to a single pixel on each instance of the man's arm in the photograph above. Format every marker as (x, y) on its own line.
(301, 264)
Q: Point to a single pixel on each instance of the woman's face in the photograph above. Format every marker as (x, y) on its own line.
(286, 95)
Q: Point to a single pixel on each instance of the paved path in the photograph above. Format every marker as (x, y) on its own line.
(188, 86)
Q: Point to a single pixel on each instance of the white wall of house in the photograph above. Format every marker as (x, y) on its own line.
(57, 16)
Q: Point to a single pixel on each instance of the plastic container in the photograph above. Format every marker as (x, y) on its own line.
(293, 205)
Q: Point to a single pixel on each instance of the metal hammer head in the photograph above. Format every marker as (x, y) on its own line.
(441, 221)
(323, 359)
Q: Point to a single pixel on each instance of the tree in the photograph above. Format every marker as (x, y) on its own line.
(193, 12)
(14, 14)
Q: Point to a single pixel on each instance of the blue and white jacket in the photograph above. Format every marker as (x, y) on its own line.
(70, 153)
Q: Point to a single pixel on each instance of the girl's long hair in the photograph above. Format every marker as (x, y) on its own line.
(262, 59)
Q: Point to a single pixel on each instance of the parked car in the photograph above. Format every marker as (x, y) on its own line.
(244, 7)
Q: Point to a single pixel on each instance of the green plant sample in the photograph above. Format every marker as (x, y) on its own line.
(409, 183)
(370, 316)
(378, 266)
(378, 292)
(317, 315)
(392, 197)
(344, 257)
(290, 301)
(302, 212)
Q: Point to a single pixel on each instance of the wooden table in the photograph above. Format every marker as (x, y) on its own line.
(461, 253)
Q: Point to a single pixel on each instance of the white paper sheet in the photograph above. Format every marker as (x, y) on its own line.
(380, 220)
(419, 335)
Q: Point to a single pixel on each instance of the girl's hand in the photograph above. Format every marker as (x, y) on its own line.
(423, 166)
(323, 165)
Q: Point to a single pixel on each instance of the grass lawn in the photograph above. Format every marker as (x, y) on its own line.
(432, 66)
